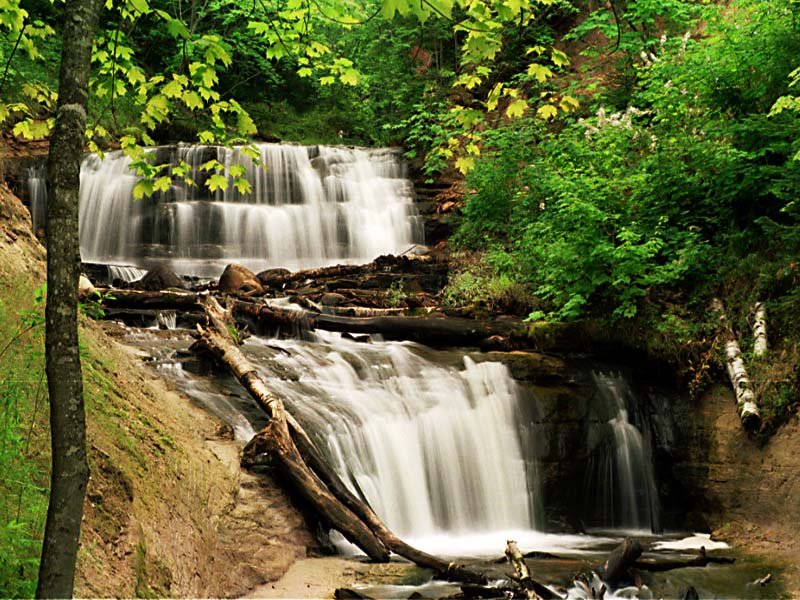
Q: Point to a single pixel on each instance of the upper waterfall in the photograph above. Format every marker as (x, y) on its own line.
(309, 206)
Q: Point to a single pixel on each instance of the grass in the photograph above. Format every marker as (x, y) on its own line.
(23, 436)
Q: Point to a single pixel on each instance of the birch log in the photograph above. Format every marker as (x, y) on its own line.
(737, 373)
(759, 329)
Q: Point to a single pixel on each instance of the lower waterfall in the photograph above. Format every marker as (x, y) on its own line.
(432, 447)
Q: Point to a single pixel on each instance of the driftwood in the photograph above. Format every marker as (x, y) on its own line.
(701, 560)
(742, 386)
(310, 475)
(432, 331)
(533, 588)
(436, 332)
(619, 561)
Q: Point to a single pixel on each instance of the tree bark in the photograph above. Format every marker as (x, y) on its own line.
(619, 561)
(70, 469)
(737, 373)
(759, 329)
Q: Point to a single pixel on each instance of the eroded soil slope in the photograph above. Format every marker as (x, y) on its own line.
(168, 511)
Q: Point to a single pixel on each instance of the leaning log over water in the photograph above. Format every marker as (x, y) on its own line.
(737, 373)
(534, 588)
(216, 340)
(285, 439)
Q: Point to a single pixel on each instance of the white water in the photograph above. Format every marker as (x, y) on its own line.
(623, 483)
(125, 273)
(434, 448)
(37, 196)
(309, 206)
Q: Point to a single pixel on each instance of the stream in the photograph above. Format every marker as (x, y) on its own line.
(445, 445)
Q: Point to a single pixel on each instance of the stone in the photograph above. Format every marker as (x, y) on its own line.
(238, 279)
(332, 299)
(160, 277)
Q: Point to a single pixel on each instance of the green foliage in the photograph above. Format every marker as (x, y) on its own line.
(395, 294)
(23, 493)
(480, 285)
(669, 192)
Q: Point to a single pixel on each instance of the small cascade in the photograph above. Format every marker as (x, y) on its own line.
(308, 206)
(434, 448)
(125, 273)
(37, 194)
(621, 488)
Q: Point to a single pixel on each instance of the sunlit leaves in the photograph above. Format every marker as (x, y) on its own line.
(516, 108)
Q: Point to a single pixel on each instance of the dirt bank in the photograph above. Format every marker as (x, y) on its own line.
(749, 492)
(168, 510)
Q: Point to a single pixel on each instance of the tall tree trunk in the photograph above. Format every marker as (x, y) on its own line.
(70, 471)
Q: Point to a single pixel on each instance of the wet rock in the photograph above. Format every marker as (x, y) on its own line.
(273, 276)
(160, 277)
(332, 299)
(530, 366)
(236, 278)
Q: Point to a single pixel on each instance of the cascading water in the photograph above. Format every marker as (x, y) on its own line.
(308, 206)
(431, 439)
(620, 484)
(37, 195)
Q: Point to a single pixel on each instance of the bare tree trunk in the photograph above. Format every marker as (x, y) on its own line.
(737, 373)
(759, 329)
(70, 472)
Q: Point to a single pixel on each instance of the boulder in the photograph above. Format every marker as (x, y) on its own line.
(238, 279)
(332, 299)
(160, 277)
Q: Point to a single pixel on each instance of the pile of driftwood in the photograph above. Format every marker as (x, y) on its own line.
(284, 444)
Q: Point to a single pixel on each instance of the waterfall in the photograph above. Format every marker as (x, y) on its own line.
(430, 438)
(37, 195)
(620, 483)
(308, 206)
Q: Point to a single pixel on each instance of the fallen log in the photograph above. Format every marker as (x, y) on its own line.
(701, 560)
(623, 557)
(432, 331)
(535, 589)
(217, 341)
(759, 329)
(737, 373)
(162, 299)
(314, 459)
(284, 438)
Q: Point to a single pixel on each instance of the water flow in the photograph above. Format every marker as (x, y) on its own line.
(308, 206)
(37, 194)
(433, 447)
(621, 481)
